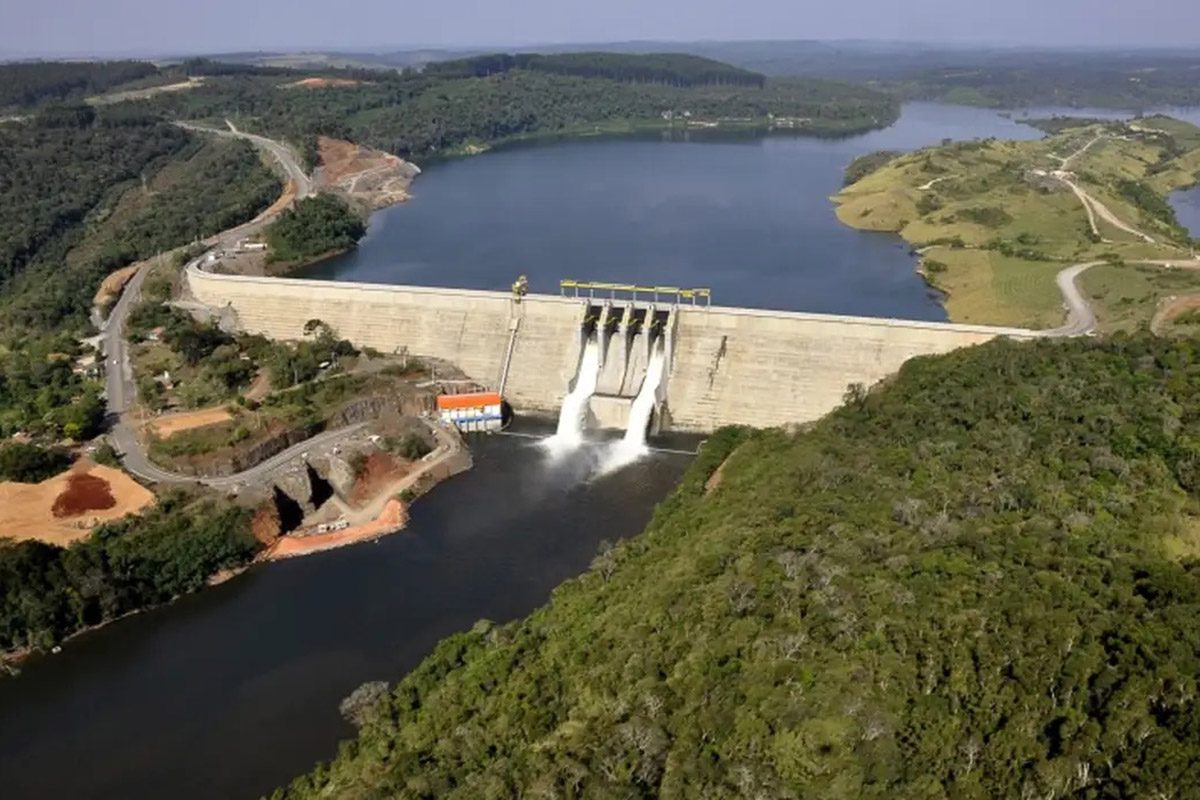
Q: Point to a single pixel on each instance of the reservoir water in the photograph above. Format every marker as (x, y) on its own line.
(748, 217)
(233, 691)
(1187, 209)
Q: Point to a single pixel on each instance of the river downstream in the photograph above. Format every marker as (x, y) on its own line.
(233, 691)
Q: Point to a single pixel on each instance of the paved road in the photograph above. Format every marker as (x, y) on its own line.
(119, 384)
(1081, 320)
(282, 153)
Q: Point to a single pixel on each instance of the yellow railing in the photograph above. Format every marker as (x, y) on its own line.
(592, 287)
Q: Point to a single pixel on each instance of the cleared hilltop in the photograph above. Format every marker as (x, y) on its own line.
(995, 221)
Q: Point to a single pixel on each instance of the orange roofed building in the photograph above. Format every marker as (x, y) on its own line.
(472, 411)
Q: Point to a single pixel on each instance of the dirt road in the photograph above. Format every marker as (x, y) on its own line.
(119, 385)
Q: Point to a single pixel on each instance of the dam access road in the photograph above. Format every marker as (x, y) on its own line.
(120, 389)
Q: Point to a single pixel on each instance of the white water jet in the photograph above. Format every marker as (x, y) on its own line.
(633, 445)
(569, 434)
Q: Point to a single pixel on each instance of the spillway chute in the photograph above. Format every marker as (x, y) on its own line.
(632, 445)
(569, 433)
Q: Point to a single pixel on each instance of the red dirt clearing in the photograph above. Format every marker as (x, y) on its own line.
(379, 471)
(84, 492)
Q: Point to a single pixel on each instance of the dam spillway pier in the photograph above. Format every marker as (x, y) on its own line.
(722, 365)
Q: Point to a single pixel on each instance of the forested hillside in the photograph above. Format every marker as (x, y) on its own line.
(675, 69)
(979, 581)
(84, 192)
(427, 115)
(29, 84)
(316, 227)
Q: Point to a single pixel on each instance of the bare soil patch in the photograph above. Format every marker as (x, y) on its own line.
(379, 471)
(322, 83)
(393, 518)
(142, 94)
(284, 201)
(370, 176)
(64, 508)
(714, 480)
(110, 287)
(266, 525)
(168, 425)
(1171, 309)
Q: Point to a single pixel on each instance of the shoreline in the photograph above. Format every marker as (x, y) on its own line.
(451, 458)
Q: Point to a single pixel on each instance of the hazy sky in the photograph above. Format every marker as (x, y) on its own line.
(33, 27)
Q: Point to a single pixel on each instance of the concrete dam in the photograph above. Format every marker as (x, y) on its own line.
(719, 366)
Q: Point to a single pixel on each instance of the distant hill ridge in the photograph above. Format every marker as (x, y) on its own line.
(676, 69)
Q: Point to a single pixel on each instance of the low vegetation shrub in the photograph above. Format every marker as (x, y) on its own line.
(987, 216)
(410, 446)
(28, 463)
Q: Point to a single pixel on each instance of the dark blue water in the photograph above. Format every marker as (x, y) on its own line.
(1187, 209)
(750, 218)
(233, 691)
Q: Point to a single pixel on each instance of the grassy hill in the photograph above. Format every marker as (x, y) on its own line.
(995, 226)
(941, 590)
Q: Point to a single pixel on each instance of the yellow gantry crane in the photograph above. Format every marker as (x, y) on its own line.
(655, 292)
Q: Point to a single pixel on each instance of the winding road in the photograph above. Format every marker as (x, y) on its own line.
(120, 389)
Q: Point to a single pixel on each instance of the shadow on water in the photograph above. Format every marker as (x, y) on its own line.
(233, 691)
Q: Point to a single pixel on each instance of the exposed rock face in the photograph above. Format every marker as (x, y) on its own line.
(338, 471)
(296, 485)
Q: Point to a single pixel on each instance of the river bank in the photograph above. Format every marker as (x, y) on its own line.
(275, 650)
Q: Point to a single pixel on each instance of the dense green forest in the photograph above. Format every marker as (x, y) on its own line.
(317, 226)
(27, 84)
(41, 394)
(1079, 80)
(978, 581)
(84, 192)
(675, 69)
(54, 171)
(425, 115)
(48, 592)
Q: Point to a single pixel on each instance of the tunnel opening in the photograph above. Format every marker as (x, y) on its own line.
(320, 490)
(592, 320)
(291, 513)
(658, 324)
(637, 321)
(612, 319)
